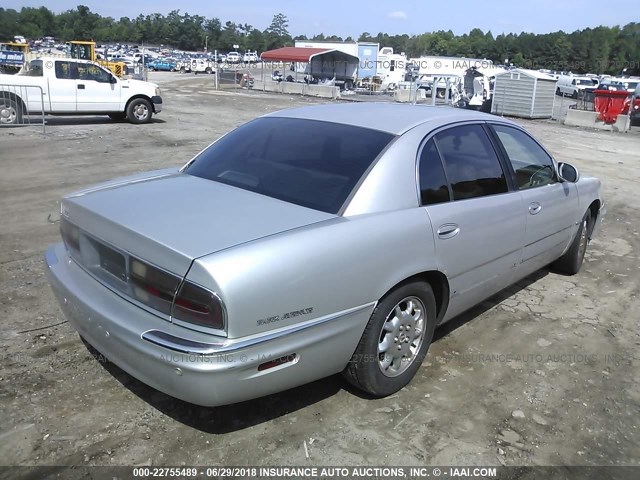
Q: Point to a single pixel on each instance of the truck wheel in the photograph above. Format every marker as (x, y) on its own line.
(558, 92)
(395, 341)
(10, 112)
(139, 111)
(207, 70)
(182, 70)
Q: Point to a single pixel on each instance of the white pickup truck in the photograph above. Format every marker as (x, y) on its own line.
(75, 87)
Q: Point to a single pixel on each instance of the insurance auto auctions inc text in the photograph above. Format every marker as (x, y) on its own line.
(375, 472)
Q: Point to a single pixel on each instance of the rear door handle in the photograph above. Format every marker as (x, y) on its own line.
(535, 208)
(80, 86)
(448, 230)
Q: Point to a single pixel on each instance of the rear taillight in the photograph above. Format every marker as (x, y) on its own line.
(146, 283)
(152, 286)
(199, 306)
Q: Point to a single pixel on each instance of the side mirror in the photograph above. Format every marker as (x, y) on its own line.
(568, 173)
(113, 80)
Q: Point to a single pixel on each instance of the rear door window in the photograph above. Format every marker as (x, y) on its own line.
(433, 182)
(66, 70)
(471, 163)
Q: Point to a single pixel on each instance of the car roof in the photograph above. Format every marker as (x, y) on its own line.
(392, 118)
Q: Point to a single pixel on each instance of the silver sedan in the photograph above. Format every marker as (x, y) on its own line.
(314, 241)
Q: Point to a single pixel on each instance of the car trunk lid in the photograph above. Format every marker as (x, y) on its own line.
(171, 220)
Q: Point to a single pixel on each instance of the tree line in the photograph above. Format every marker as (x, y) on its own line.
(597, 50)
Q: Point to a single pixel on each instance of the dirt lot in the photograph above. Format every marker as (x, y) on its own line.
(546, 373)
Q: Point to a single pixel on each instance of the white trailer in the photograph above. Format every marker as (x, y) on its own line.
(391, 68)
(436, 73)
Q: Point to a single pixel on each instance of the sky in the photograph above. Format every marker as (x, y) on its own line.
(350, 18)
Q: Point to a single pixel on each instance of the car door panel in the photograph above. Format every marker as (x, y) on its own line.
(483, 254)
(95, 93)
(549, 229)
(548, 205)
(479, 235)
(62, 88)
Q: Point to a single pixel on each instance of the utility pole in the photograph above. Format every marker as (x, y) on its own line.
(206, 43)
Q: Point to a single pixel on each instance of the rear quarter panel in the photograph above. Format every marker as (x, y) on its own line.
(321, 269)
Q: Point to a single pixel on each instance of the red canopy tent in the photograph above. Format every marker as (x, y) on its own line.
(325, 63)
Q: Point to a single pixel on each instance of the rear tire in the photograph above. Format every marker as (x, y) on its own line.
(139, 111)
(395, 341)
(571, 261)
(11, 112)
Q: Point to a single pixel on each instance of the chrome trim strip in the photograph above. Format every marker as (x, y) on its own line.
(183, 345)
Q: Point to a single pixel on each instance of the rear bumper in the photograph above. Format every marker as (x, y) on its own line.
(227, 371)
(157, 103)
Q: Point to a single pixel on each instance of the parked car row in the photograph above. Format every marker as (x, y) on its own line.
(576, 86)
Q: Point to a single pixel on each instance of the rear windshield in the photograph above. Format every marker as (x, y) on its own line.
(307, 162)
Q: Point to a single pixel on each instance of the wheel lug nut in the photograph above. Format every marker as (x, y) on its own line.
(399, 347)
(395, 339)
(401, 328)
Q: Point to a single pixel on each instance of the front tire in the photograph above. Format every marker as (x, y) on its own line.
(571, 261)
(139, 111)
(395, 341)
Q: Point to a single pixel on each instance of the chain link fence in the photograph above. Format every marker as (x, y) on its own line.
(233, 78)
(584, 100)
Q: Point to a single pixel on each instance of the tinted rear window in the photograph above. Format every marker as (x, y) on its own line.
(307, 162)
